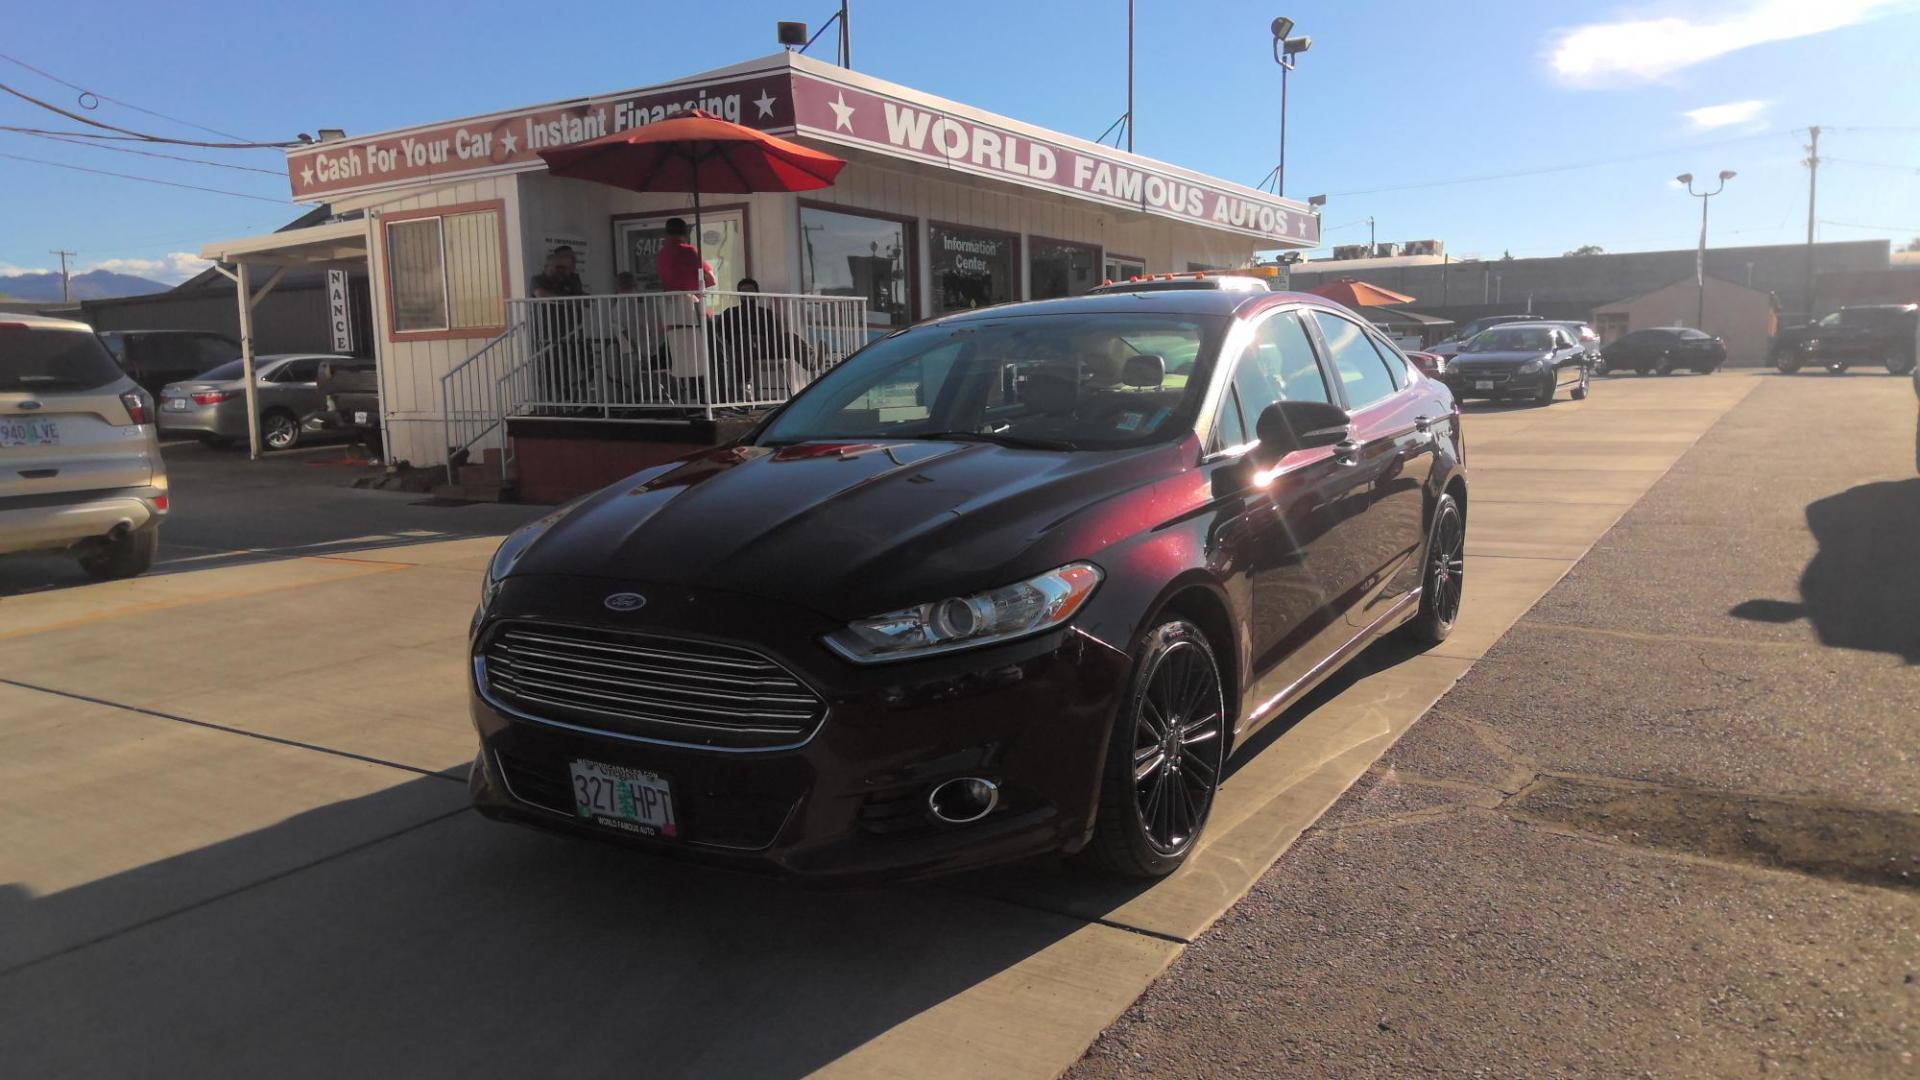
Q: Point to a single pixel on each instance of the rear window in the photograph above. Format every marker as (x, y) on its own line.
(33, 361)
(227, 372)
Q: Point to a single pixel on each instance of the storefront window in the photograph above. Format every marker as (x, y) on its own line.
(1122, 267)
(1061, 268)
(971, 267)
(444, 273)
(723, 243)
(852, 254)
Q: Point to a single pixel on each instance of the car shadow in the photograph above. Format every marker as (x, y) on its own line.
(1861, 589)
(398, 934)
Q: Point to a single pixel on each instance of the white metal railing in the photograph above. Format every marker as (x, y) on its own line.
(645, 356)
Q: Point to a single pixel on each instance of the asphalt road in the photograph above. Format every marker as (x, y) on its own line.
(1668, 825)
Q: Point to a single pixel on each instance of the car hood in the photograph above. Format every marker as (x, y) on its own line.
(1498, 359)
(847, 529)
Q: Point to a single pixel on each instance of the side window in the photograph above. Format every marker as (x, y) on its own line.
(1360, 368)
(1390, 356)
(1229, 430)
(1278, 365)
(212, 350)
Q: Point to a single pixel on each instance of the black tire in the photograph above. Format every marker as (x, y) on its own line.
(1897, 363)
(1442, 578)
(1143, 831)
(1786, 361)
(1580, 389)
(1643, 370)
(215, 442)
(1544, 395)
(128, 556)
(279, 430)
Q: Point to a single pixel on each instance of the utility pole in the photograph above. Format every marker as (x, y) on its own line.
(1371, 246)
(1130, 76)
(1813, 182)
(65, 280)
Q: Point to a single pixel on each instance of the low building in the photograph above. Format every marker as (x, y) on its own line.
(1744, 318)
(941, 206)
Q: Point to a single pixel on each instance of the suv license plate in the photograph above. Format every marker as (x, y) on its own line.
(632, 799)
(178, 404)
(1483, 384)
(29, 433)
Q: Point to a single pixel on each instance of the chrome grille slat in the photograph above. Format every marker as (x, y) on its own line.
(640, 685)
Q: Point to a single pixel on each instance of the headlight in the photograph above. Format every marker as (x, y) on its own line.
(964, 622)
(1529, 367)
(509, 552)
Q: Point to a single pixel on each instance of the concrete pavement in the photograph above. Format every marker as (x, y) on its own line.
(231, 795)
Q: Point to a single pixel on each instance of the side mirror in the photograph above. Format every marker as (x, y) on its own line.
(1286, 426)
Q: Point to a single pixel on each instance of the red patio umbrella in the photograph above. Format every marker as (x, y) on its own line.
(695, 153)
(1355, 293)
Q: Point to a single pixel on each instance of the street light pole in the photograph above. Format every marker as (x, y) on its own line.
(1700, 256)
(1285, 50)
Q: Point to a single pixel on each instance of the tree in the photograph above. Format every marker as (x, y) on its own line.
(1912, 245)
(1588, 249)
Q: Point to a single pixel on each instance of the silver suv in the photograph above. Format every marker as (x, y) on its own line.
(80, 467)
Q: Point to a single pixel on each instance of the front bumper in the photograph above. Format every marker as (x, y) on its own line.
(849, 803)
(1495, 383)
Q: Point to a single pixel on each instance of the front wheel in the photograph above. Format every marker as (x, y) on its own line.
(1897, 363)
(1580, 391)
(280, 430)
(1165, 758)
(1786, 361)
(1836, 367)
(1445, 574)
(1544, 395)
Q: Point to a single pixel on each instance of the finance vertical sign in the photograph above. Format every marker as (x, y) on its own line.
(339, 311)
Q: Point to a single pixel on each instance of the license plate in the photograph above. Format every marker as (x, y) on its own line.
(632, 799)
(178, 404)
(29, 433)
(359, 418)
(1483, 384)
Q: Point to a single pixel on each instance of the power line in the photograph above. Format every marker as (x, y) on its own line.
(143, 136)
(86, 93)
(1521, 173)
(1875, 228)
(1870, 164)
(65, 138)
(147, 179)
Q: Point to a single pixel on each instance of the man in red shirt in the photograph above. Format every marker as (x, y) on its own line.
(678, 264)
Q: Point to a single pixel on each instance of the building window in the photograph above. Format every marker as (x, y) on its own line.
(846, 253)
(638, 238)
(1061, 268)
(444, 273)
(972, 267)
(1122, 267)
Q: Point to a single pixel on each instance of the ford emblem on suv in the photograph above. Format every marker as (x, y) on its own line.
(625, 601)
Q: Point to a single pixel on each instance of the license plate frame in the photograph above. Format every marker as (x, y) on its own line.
(21, 431)
(1483, 384)
(178, 404)
(360, 417)
(633, 800)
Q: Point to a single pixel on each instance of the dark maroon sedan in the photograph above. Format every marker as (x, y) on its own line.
(1010, 582)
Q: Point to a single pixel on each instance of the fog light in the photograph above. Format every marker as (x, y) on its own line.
(966, 799)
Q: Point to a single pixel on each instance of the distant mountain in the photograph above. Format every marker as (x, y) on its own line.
(92, 285)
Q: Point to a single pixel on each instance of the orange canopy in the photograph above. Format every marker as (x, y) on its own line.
(698, 153)
(1354, 293)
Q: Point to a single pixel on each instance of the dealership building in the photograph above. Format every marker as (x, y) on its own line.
(941, 207)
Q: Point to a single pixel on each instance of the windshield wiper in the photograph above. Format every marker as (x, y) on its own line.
(1015, 442)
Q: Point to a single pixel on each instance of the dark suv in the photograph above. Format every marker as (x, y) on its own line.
(157, 357)
(1882, 334)
(1008, 582)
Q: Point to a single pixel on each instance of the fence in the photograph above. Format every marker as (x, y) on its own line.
(661, 356)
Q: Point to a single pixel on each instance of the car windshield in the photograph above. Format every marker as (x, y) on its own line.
(1512, 339)
(1067, 381)
(34, 360)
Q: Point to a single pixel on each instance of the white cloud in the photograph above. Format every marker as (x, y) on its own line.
(7, 269)
(1708, 117)
(171, 269)
(1650, 48)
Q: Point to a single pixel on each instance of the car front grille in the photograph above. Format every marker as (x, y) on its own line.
(667, 689)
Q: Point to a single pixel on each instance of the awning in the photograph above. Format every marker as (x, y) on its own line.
(341, 245)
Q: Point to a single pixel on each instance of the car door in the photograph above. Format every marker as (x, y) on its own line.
(1272, 517)
(1567, 358)
(1389, 455)
(296, 386)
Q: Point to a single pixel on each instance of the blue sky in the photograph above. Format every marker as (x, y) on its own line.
(1396, 100)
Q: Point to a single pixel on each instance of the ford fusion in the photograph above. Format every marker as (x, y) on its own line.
(1011, 582)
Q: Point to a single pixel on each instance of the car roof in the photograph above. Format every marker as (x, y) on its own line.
(45, 322)
(198, 333)
(1155, 301)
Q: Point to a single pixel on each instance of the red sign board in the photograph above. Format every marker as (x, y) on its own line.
(508, 142)
(847, 114)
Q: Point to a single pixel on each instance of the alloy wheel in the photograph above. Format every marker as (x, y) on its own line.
(1447, 563)
(281, 431)
(1177, 742)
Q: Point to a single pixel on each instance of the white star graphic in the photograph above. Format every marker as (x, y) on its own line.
(306, 174)
(842, 112)
(508, 141)
(764, 103)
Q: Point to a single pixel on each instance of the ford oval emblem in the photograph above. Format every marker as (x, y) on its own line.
(625, 601)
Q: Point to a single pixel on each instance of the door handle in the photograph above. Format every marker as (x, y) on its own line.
(1423, 424)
